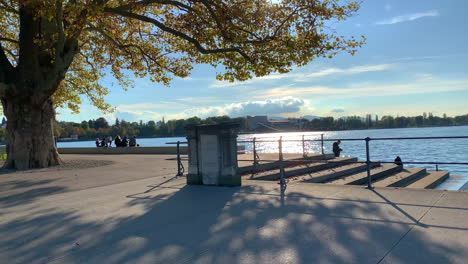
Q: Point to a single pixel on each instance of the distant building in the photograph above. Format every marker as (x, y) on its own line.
(255, 122)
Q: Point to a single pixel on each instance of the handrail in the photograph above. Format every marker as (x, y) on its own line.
(356, 139)
(342, 139)
(368, 161)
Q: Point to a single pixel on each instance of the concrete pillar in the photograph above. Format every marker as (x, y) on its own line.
(213, 154)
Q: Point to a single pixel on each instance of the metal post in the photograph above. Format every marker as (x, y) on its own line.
(304, 155)
(368, 163)
(322, 143)
(280, 153)
(179, 163)
(255, 152)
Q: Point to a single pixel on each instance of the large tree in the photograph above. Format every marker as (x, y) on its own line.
(54, 52)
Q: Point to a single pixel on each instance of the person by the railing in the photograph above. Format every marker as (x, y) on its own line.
(118, 141)
(103, 142)
(132, 142)
(336, 148)
(124, 142)
(398, 161)
(98, 143)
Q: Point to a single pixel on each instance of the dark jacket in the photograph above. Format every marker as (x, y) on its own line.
(118, 142)
(124, 142)
(336, 148)
(132, 142)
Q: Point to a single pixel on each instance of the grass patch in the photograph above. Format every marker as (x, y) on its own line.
(3, 154)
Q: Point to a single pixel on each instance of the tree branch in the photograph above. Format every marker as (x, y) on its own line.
(148, 2)
(9, 40)
(6, 68)
(7, 7)
(177, 33)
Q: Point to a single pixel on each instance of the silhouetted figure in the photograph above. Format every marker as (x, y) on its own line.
(103, 142)
(109, 141)
(124, 142)
(98, 143)
(132, 142)
(398, 161)
(118, 141)
(336, 148)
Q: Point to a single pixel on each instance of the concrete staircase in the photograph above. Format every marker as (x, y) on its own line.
(303, 168)
(347, 171)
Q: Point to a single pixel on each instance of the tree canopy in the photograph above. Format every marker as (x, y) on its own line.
(74, 43)
(54, 52)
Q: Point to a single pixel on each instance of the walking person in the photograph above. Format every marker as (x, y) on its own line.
(336, 148)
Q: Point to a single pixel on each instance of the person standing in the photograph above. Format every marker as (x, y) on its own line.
(336, 148)
(118, 141)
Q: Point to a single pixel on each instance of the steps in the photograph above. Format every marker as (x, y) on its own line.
(403, 178)
(303, 169)
(331, 174)
(347, 171)
(430, 181)
(362, 178)
(275, 165)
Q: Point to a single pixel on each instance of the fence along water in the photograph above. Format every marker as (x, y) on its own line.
(366, 141)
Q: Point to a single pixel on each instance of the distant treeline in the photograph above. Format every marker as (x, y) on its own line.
(370, 122)
(101, 128)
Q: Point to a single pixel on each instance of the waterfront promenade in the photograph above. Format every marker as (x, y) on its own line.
(131, 209)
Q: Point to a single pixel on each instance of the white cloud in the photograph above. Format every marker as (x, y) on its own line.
(151, 111)
(306, 76)
(198, 100)
(338, 110)
(261, 107)
(409, 17)
(348, 71)
(423, 85)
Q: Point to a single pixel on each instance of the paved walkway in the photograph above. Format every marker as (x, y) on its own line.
(133, 214)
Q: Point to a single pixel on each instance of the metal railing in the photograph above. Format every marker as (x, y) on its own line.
(368, 162)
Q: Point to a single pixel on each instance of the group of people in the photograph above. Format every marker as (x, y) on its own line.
(337, 150)
(119, 142)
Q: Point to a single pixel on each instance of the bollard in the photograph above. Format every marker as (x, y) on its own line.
(304, 155)
(179, 163)
(322, 143)
(369, 180)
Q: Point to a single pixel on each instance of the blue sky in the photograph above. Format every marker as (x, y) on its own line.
(415, 61)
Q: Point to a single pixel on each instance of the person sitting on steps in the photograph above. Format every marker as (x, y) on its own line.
(336, 148)
(398, 161)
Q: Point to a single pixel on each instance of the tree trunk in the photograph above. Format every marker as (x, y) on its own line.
(30, 140)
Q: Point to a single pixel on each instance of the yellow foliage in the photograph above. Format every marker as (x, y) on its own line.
(164, 39)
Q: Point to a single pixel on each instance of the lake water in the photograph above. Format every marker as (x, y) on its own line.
(442, 150)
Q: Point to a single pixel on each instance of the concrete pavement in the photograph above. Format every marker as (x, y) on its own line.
(133, 214)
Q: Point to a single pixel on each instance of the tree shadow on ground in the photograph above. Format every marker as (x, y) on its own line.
(199, 224)
(26, 197)
(20, 184)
